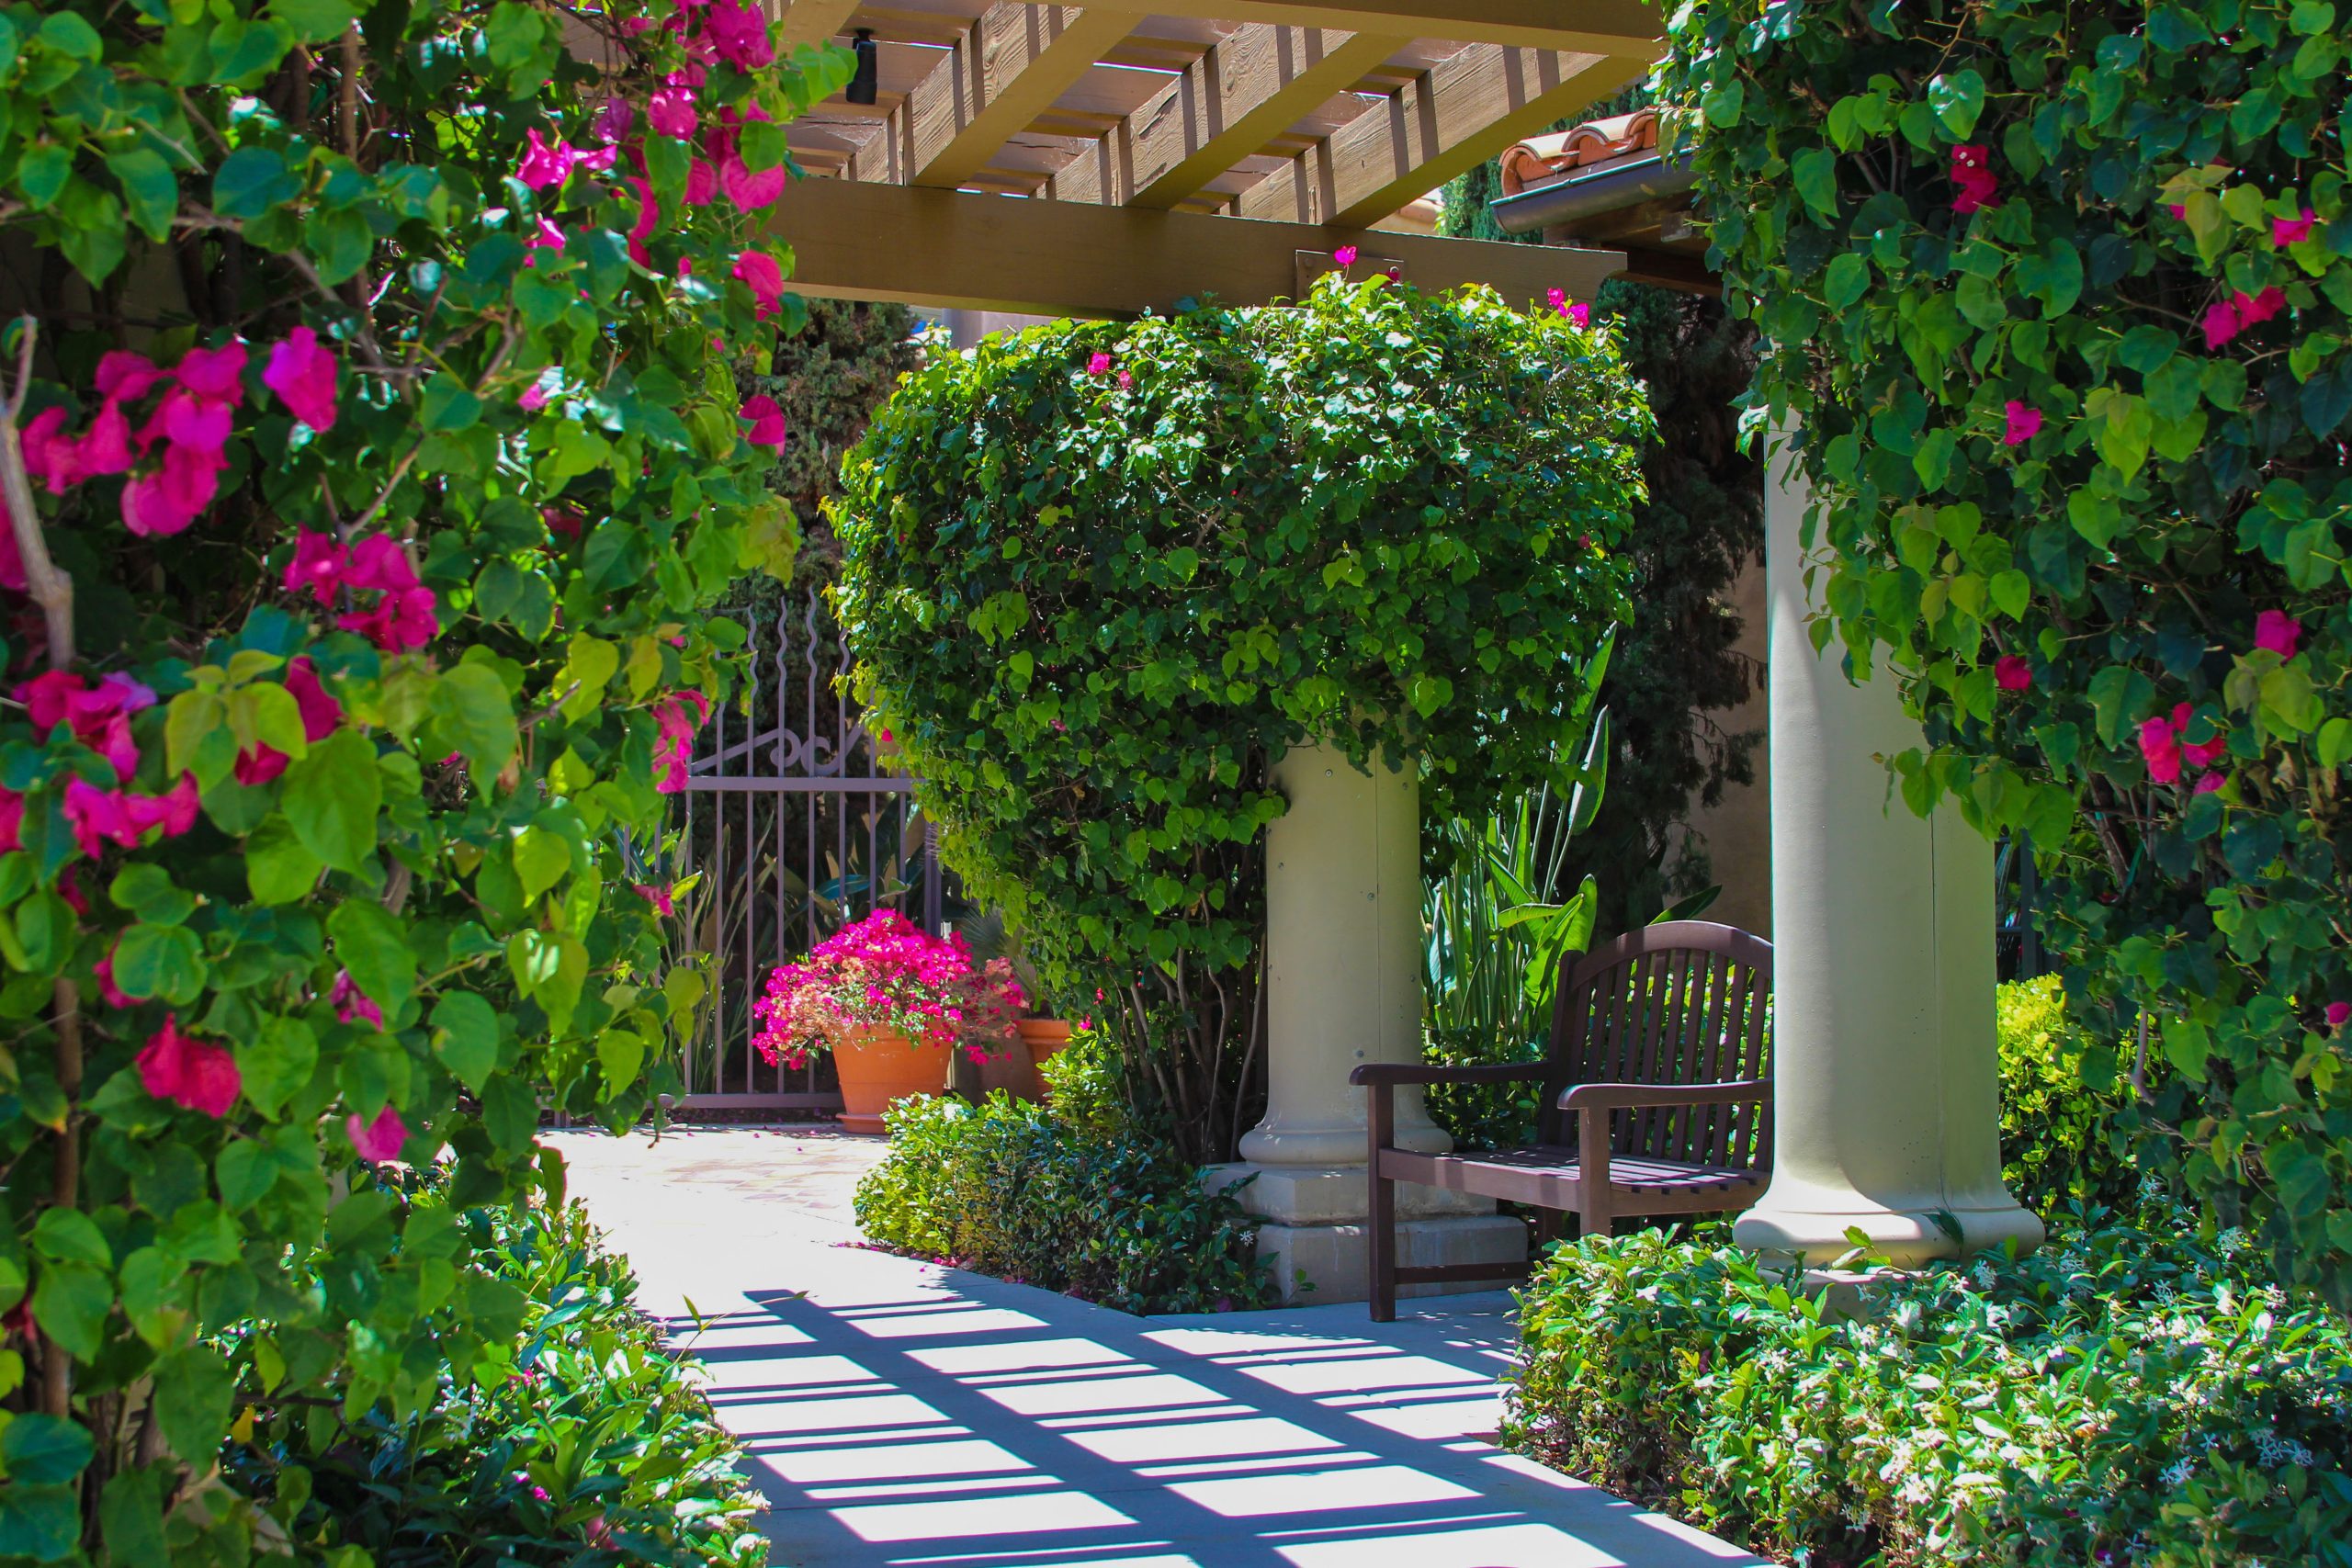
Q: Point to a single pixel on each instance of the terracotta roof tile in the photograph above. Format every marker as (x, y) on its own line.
(1541, 158)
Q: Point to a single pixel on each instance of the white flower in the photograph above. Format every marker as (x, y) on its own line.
(2070, 1262)
(2177, 1471)
(1984, 1275)
(2163, 1292)
(2231, 1242)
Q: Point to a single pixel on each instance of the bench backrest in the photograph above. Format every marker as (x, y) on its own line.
(1679, 1002)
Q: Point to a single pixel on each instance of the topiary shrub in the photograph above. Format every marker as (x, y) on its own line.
(2126, 1395)
(1099, 577)
(370, 453)
(2061, 294)
(2065, 1135)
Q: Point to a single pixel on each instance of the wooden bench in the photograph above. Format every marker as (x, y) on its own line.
(1658, 1100)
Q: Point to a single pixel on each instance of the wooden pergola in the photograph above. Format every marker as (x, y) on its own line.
(1118, 157)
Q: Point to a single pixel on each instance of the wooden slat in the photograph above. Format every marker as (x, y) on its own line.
(1606, 26)
(1465, 110)
(812, 21)
(857, 240)
(1254, 87)
(1018, 60)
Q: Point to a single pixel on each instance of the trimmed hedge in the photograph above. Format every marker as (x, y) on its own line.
(2128, 1394)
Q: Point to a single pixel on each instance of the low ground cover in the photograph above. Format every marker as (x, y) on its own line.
(578, 1440)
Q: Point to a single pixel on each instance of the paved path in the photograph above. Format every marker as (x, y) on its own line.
(902, 1413)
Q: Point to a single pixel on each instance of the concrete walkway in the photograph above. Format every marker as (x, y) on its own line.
(902, 1413)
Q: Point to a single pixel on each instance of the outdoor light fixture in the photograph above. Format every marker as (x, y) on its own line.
(869, 68)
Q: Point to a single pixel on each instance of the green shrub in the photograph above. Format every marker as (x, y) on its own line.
(1483, 1116)
(1083, 1197)
(578, 1442)
(2058, 295)
(2127, 1394)
(1100, 577)
(2065, 1134)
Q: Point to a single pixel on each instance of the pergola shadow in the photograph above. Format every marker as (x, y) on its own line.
(898, 1413)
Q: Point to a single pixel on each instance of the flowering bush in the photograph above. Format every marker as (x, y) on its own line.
(1100, 576)
(882, 973)
(2126, 1395)
(2061, 291)
(370, 451)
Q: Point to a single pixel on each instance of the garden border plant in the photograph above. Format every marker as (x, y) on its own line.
(1099, 577)
(2056, 295)
(371, 444)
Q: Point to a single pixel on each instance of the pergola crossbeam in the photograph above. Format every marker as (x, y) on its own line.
(854, 239)
(1599, 27)
(813, 21)
(1006, 74)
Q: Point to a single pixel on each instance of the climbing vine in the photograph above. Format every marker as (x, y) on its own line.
(370, 445)
(2057, 295)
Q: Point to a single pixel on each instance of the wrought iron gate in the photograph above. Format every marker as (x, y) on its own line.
(799, 828)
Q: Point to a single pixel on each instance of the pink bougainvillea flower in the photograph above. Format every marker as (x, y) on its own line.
(47, 452)
(2177, 208)
(2205, 754)
(1972, 174)
(1125, 378)
(215, 373)
(379, 561)
(378, 1142)
(533, 398)
(2254, 308)
(349, 1002)
(2012, 673)
(321, 713)
(12, 564)
(2023, 423)
(678, 718)
(613, 120)
(767, 420)
(765, 278)
(544, 167)
(301, 372)
(546, 237)
(648, 220)
(99, 715)
(702, 183)
(671, 111)
(1098, 364)
(12, 819)
(109, 992)
(2339, 1014)
(122, 375)
(2220, 323)
(740, 33)
(1580, 313)
(1344, 256)
(2207, 782)
(318, 565)
(188, 1072)
(186, 419)
(104, 448)
(659, 897)
(2285, 232)
(2160, 746)
(747, 191)
(154, 507)
(2278, 631)
(401, 622)
(1393, 272)
(258, 764)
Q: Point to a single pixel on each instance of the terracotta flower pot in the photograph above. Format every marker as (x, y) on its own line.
(1044, 1036)
(878, 1067)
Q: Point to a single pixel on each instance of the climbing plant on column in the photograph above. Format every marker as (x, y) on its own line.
(369, 443)
(2058, 296)
(1099, 578)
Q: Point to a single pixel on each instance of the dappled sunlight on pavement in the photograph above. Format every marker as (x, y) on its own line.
(902, 1413)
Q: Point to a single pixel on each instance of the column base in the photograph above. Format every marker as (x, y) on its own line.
(1321, 1265)
(1330, 1194)
(1907, 1237)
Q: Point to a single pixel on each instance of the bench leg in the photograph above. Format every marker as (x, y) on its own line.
(1380, 1221)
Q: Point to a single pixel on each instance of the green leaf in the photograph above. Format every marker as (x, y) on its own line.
(166, 962)
(313, 21)
(149, 192)
(246, 1170)
(71, 1301)
(41, 173)
(242, 51)
(69, 34)
(192, 1389)
(42, 1523)
(331, 799)
(1847, 279)
(448, 405)
(510, 1114)
(375, 947)
(621, 1053)
(1814, 173)
(44, 1450)
(148, 892)
(251, 181)
(279, 868)
(472, 714)
(130, 1518)
(542, 859)
(1958, 98)
(466, 1037)
(277, 1062)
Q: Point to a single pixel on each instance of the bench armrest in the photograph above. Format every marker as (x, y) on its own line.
(1387, 1073)
(1625, 1096)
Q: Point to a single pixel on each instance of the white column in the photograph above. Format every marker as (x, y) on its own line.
(1343, 987)
(1885, 1103)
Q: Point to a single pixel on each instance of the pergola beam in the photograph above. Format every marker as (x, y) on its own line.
(1597, 27)
(1465, 110)
(1007, 73)
(812, 21)
(854, 240)
(1249, 89)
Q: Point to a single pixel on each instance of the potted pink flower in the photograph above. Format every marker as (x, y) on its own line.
(888, 1001)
